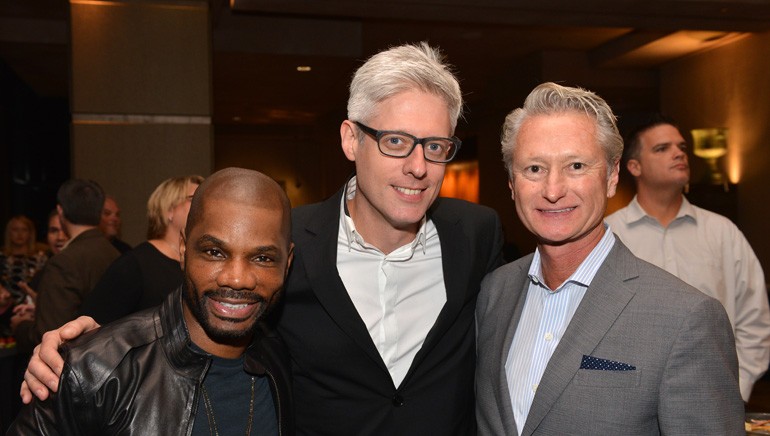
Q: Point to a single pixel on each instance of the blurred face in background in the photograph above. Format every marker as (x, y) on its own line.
(56, 237)
(178, 213)
(110, 222)
(19, 234)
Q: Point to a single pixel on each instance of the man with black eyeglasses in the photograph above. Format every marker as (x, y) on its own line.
(378, 310)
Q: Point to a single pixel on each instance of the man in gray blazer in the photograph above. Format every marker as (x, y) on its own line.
(581, 337)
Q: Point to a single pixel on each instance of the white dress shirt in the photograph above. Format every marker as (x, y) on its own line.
(398, 295)
(708, 252)
(545, 317)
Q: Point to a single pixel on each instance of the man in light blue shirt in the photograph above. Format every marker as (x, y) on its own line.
(582, 337)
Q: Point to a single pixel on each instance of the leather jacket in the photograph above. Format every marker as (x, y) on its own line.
(138, 375)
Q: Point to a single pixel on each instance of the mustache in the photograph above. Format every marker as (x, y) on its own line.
(234, 294)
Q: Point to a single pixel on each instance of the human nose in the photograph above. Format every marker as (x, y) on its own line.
(555, 187)
(237, 273)
(415, 162)
(679, 153)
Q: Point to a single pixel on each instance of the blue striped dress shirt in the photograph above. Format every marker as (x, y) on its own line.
(545, 317)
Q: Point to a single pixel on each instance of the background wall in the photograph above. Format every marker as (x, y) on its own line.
(730, 86)
(140, 97)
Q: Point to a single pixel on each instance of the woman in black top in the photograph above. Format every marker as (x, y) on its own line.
(143, 276)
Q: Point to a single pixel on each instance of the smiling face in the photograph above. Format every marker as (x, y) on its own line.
(394, 193)
(56, 237)
(110, 220)
(235, 258)
(560, 182)
(662, 160)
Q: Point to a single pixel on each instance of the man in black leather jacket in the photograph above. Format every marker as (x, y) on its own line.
(201, 363)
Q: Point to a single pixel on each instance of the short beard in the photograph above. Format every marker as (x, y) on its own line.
(196, 307)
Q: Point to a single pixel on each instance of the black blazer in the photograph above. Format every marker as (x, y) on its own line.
(341, 384)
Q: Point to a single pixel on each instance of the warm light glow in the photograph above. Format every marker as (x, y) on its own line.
(711, 144)
(304, 68)
(734, 170)
(461, 180)
(679, 44)
(735, 152)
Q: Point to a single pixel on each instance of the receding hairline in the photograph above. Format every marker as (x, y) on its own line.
(246, 187)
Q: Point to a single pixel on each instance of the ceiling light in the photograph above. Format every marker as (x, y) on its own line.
(303, 68)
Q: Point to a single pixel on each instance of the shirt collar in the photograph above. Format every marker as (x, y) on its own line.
(585, 272)
(349, 227)
(636, 213)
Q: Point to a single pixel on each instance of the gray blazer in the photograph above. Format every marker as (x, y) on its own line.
(685, 380)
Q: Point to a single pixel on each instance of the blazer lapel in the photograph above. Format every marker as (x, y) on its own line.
(603, 302)
(319, 246)
(507, 323)
(455, 261)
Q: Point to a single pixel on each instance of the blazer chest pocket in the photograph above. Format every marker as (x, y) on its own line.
(608, 379)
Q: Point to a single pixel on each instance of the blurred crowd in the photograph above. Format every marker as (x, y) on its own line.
(82, 266)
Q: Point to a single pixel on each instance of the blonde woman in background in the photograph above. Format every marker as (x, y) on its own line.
(21, 257)
(142, 277)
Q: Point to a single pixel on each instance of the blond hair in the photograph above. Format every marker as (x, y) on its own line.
(170, 193)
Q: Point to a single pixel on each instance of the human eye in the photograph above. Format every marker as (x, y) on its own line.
(266, 256)
(577, 166)
(263, 258)
(531, 172)
(213, 252)
(393, 140)
(683, 147)
(533, 169)
(438, 149)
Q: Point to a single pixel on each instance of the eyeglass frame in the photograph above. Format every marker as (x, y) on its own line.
(378, 134)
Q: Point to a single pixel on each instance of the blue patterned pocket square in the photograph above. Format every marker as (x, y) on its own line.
(597, 363)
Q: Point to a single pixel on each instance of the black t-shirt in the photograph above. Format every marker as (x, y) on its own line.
(229, 392)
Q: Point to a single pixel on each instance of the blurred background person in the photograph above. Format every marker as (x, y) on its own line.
(71, 275)
(57, 240)
(704, 249)
(142, 277)
(11, 367)
(21, 257)
(110, 224)
(55, 236)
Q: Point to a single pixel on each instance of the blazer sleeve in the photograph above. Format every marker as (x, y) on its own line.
(702, 366)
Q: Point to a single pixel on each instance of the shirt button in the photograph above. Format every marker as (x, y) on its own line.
(534, 387)
(398, 400)
(549, 336)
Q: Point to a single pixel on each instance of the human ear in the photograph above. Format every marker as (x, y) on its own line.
(349, 140)
(612, 181)
(634, 167)
(182, 248)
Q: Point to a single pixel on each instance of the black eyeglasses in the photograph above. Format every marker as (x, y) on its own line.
(399, 144)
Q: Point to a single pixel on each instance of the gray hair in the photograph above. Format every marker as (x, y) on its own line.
(403, 68)
(550, 99)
